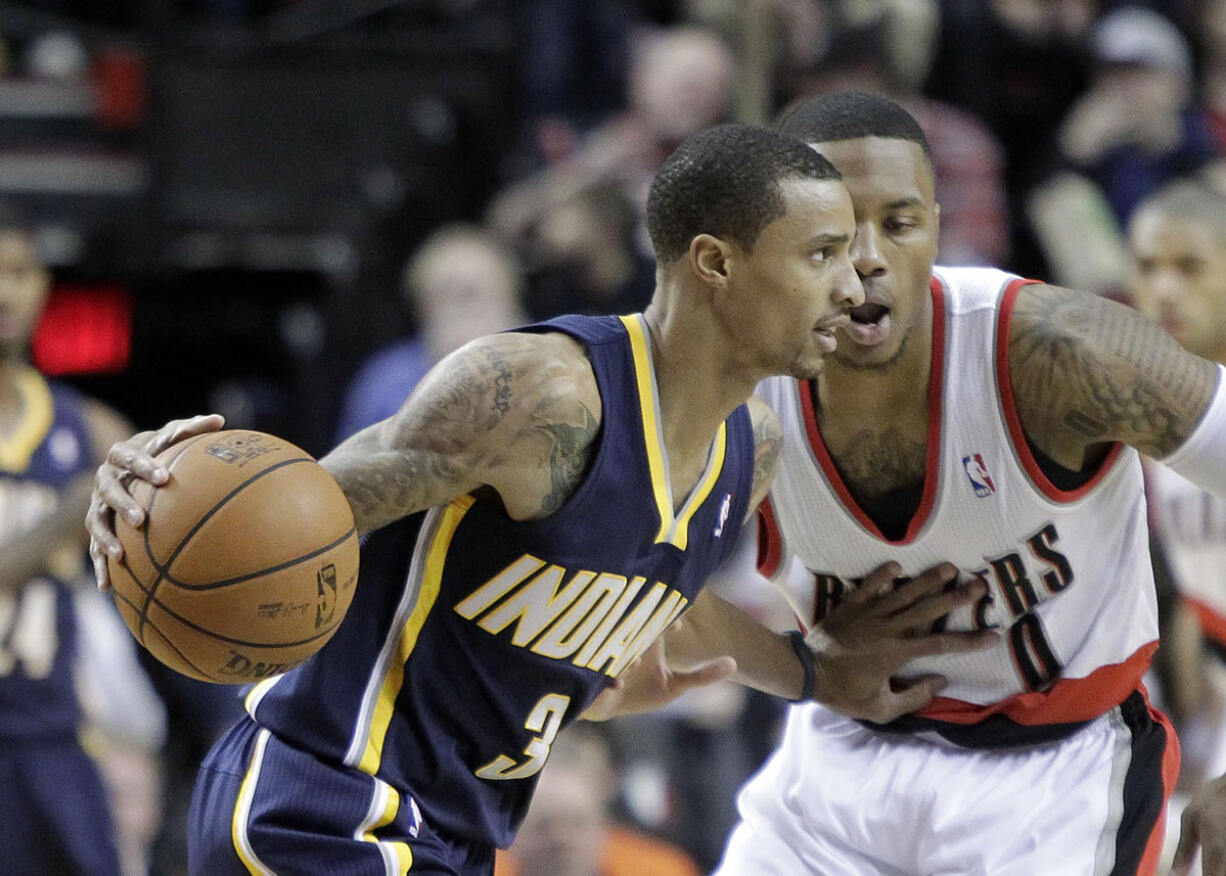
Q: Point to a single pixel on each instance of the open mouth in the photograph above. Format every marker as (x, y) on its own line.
(870, 324)
(868, 314)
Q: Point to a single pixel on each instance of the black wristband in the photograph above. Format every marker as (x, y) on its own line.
(808, 662)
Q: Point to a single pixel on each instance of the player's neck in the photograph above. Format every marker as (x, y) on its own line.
(692, 402)
(848, 390)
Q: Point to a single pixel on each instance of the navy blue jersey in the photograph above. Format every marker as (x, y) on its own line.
(48, 449)
(451, 686)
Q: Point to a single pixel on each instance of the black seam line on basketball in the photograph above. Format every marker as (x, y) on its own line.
(199, 523)
(214, 585)
(155, 626)
(144, 610)
(182, 656)
(230, 640)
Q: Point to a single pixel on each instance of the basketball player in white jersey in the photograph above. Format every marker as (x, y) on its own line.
(972, 417)
(1178, 242)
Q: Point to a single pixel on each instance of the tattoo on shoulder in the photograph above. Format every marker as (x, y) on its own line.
(569, 450)
(1108, 371)
(502, 378)
(466, 393)
(768, 444)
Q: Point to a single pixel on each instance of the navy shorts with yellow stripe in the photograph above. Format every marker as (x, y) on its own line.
(264, 807)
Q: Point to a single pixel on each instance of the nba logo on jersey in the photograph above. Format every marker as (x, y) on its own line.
(724, 508)
(977, 474)
(414, 818)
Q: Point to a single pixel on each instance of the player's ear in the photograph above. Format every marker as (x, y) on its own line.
(709, 258)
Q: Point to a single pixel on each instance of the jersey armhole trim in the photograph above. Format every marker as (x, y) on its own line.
(770, 540)
(1013, 423)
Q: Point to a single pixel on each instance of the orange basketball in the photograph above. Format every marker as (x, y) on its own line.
(247, 561)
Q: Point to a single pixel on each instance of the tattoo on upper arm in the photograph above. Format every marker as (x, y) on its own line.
(431, 454)
(1109, 372)
(569, 449)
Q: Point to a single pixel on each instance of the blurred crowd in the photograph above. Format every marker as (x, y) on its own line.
(1051, 123)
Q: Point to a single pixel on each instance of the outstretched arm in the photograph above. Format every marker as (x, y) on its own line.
(857, 649)
(514, 413)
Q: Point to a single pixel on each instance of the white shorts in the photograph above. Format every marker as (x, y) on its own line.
(839, 799)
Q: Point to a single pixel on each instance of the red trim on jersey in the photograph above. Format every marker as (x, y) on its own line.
(1004, 382)
(1067, 701)
(1170, 773)
(770, 540)
(932, 462)
(1212, 623)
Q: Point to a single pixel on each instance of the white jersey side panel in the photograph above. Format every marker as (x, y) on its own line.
(1192, 526)
(1068, 572)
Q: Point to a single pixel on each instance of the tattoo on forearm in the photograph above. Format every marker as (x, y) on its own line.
(1109, 371)
(384, 487)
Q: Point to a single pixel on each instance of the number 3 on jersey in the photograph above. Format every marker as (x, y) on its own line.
(545, 719)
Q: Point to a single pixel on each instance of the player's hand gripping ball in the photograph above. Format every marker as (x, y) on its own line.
(247, 561)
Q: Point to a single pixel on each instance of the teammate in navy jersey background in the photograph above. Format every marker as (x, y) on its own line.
(969, 416)
(56, 817)
(579, 480)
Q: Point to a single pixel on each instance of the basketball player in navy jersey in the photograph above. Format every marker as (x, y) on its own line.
(970, 416)
(54, 816)
(579, 480)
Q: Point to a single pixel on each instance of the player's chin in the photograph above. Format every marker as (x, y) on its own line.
(808, 367)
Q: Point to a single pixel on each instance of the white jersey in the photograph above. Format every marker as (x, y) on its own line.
(1192, 526)
(1068, 571)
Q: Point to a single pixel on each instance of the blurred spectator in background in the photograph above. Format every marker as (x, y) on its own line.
(864, 54)
(460, 284)
(1178, 243)
(1208, 27)
(1137, 127)
(573, 69)
(570, 829)
(585, 257)
(1017, 66)
(679, 82)
(579, 222)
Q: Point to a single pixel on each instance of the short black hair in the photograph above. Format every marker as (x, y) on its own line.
(849, 115)
(725, 181)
